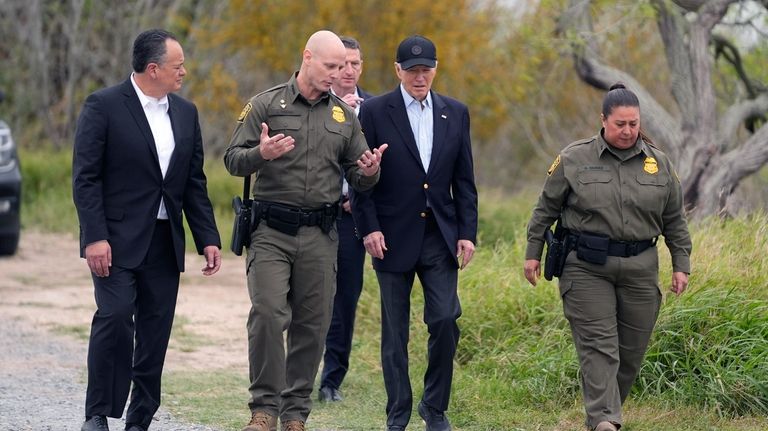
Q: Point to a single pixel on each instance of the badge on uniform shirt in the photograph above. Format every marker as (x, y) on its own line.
(338, 114)
(554, 165)
(244, 112)
(650, 165)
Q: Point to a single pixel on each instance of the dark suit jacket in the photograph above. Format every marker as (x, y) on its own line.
(395, 204)
(117, 182)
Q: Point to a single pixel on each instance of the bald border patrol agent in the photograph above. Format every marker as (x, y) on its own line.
(295, 138)
(615, 193)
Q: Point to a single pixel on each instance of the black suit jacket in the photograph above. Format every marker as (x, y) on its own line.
(395, 205)
(117, 182)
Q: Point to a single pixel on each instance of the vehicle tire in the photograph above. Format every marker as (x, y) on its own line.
(8, 244)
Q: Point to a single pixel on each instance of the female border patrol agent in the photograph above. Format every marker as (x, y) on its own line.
(615, 193)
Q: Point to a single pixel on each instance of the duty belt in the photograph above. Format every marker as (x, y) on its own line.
(619, 248)
(630, 248)
(615, 248)
(288, 219)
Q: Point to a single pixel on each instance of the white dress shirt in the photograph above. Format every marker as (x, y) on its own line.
(156, 111)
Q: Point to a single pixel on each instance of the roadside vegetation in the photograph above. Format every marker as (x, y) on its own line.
(516, 368)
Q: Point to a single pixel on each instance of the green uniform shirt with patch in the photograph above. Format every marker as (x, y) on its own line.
(328, 140)
(629, 195)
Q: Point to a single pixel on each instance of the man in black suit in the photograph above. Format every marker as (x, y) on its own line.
(351, 254)
(419, 219)
(137, 164)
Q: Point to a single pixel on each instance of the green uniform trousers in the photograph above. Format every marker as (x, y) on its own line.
(612, 310)
(291, 282)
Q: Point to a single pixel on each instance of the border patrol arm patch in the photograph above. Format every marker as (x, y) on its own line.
(554, 165)
(244, 113)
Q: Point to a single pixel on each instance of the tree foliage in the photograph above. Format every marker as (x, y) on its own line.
(56, 52)
(259, 44)
(513, 68)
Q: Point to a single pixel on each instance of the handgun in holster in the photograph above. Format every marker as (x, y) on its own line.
(558, 247)
(241, 229)
(328, 219)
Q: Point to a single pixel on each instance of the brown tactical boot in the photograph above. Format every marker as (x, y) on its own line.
(606, 426)
(293, 425)
(261, 421)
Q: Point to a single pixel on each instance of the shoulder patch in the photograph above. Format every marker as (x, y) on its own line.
(244, 113)
(554, 165)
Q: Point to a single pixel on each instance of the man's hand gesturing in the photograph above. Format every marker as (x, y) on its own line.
(369, 161)
(275, 146)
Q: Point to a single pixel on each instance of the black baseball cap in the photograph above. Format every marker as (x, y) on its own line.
(416, 51)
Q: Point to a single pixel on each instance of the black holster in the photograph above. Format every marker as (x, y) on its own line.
(559, 244)
(241, 230)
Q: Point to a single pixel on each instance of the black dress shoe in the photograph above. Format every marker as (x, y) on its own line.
(436, 420)
(95, 423)
(134, 427)
(328, 393)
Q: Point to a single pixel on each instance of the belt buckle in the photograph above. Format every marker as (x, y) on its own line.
(631, 248)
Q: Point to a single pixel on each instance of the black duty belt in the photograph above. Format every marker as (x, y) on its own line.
(290, 214)
(614, 248)
(629, 248)
(288, 219)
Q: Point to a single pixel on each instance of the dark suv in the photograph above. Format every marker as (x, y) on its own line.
(10, 191)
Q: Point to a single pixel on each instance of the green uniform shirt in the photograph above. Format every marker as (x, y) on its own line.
(629, 195)
(328, 139)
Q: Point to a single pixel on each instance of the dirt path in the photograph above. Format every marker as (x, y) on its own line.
(46, 291)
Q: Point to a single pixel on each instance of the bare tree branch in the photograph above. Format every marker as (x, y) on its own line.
(689, 5)
(732, 119)
(728, 171)
(749, 157)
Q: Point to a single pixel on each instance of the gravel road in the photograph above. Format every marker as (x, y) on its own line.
(42, 383)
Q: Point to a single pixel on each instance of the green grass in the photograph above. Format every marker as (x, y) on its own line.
(515, 369)
(46, 201)
(80, 332)
(183, 339)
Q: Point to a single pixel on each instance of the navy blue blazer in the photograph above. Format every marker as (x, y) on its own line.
(117, 182)
(395, 205)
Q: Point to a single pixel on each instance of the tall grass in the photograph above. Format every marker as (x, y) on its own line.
(707, 366)
(46, 201)
(710, 347)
